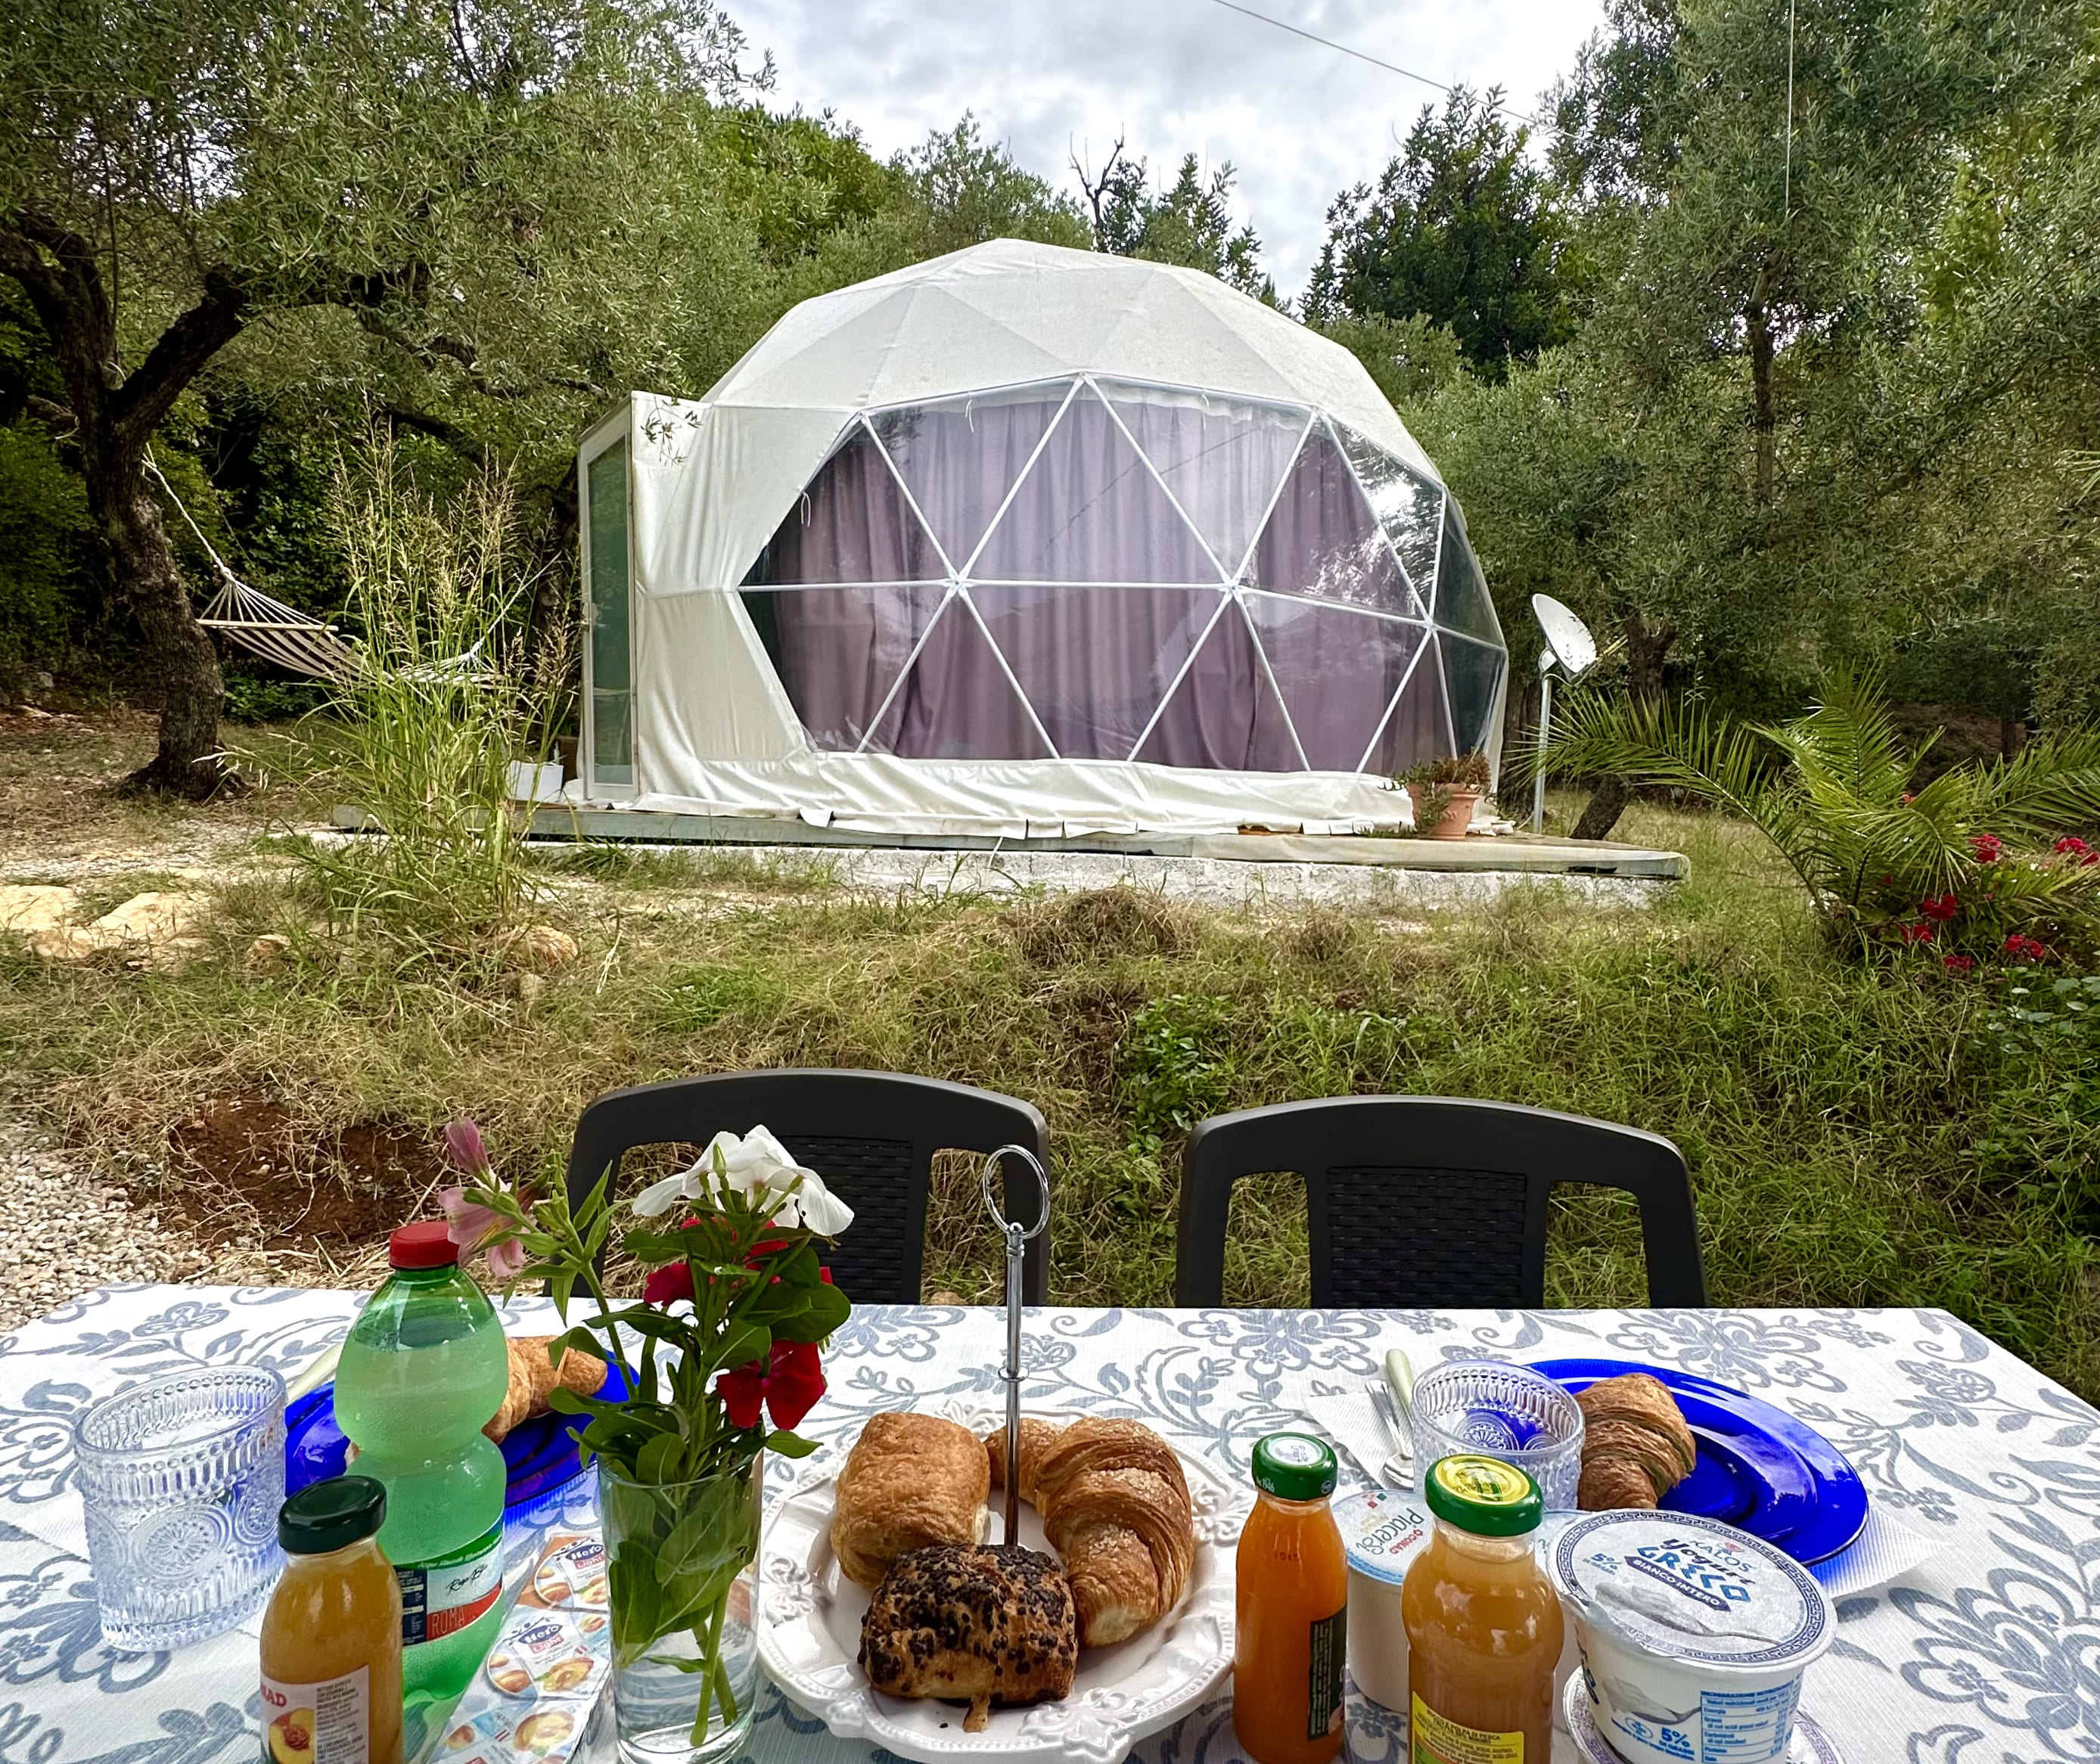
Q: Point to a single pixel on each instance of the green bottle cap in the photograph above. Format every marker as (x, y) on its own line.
(1484, 1496)
(1294, 1466)
(330, 1516)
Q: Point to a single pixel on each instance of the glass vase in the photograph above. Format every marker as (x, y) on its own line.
(683, 1574)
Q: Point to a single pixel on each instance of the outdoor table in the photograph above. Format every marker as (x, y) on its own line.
(1987, 1653)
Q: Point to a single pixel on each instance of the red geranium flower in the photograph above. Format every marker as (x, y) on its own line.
(1959, 964)
(1919, 932)
(1940, 908)
(2025, 949)
(2077, 845)
(1986, 847)
(787, 1387)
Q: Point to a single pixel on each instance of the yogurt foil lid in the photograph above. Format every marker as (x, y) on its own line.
(1678, 1586)
(1383, 1531)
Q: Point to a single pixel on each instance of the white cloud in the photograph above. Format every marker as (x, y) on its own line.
(1300, 122)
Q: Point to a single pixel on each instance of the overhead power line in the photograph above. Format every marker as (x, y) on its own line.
(1390, 67)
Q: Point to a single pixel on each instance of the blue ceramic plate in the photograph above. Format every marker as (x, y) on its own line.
(1759, 1470)
(540, 1454)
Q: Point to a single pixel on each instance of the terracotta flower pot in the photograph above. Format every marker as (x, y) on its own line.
(1458, 814)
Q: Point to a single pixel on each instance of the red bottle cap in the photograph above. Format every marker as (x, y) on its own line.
(426, 1244)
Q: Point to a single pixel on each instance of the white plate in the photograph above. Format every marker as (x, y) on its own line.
(1812, 1745)
(809, 1637)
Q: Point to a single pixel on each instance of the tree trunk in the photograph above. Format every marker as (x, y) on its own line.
(1763, 422)
(1646, 647)
(181, 669)
(113, 415)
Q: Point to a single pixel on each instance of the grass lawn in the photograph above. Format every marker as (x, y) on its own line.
(1856, 1137)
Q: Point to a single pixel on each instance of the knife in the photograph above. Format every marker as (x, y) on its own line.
(1399, 1382)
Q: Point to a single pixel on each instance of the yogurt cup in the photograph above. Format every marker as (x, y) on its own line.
(1383, 1531)
(1693, 1636)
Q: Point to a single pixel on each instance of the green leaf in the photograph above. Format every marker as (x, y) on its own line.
(789, 1444)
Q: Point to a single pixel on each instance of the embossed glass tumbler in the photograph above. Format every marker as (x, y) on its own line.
(182, 1478)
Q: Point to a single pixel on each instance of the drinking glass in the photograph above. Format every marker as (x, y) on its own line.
(1502, 1411)
(182, 1478)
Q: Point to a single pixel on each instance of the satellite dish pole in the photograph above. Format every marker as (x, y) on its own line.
(1569, 646)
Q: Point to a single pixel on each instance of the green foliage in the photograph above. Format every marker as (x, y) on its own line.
(1884, 867)
(44, 550)
(1189, 223)
(447, 693)
(971, 190)
(1463, 229)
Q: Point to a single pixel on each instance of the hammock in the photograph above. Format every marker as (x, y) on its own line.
(297, 640)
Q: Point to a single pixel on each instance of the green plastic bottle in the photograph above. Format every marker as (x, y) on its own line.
(424, 1370)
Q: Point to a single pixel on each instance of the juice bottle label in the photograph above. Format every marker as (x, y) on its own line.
(325, 1723)
(1323, 1681)
(441, 1597)
(1436, 1740)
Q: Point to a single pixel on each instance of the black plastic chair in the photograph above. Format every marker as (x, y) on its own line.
(870, 1136)
(1430, 1201)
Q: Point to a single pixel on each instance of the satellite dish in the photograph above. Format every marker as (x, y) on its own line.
(1568, 639)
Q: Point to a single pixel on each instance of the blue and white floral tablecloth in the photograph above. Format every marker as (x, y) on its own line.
(1989, 1653)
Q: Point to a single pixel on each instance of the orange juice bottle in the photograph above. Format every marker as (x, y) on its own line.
(332, 1636)
(1484, 1623)
(1291, 1608)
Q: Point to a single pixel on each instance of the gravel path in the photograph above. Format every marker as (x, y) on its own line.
(64, 1232)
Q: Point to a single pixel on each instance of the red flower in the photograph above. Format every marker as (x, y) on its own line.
(1959, 964)
(667, 1285)
(1919, 932)
(1940, 908)
(1986, 847)
(2078, 849)
(2025, 949)
(788, 1387)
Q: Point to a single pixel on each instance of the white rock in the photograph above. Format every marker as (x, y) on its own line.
(27, 908)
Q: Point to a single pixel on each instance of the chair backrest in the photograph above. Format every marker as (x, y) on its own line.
(1432, 1200)
(870, 1136)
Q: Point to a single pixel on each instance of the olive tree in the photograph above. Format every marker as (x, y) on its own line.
(174, 173)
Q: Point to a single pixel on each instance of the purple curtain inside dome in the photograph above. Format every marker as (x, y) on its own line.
(1078, 613)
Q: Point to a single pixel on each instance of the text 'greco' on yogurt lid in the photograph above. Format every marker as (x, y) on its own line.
(1686, 1587)
(1383, 1531)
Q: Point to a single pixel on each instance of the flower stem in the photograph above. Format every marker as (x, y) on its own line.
(714, 1681)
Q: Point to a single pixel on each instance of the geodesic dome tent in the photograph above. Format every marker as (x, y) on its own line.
(1029, 541)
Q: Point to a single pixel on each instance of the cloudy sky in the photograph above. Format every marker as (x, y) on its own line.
(1051, 76)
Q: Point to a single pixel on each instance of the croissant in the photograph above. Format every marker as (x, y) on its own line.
(1114, 1505)
(909, 1482)
(534, 1377)
(1636, 1447)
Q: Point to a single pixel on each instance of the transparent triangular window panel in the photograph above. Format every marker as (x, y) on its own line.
(838, 650)
(1089, 510)
(1462, 597)
(1222, 458)
(1337, 669)
(851, 524)
(1094, 662)
(1409, 506)
(1473, 674)
(1322, 540)
(1224, 715)
(961, 455)
(1420, 725)
(956, 702)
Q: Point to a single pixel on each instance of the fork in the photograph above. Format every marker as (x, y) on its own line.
(1398, 1469)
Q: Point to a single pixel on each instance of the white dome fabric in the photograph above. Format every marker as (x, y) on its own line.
(1030, 541)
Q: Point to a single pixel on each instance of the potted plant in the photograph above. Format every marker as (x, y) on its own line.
(719, 1359)
(1443, 792)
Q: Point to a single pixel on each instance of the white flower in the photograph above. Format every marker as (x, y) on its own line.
(757, 1164)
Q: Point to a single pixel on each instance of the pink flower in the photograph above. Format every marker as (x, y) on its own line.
(471, 1226)
(463, 1146)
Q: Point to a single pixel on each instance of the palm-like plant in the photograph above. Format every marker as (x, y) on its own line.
(1967, 862)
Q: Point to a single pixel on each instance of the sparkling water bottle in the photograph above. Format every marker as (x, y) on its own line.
(423, 1371)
